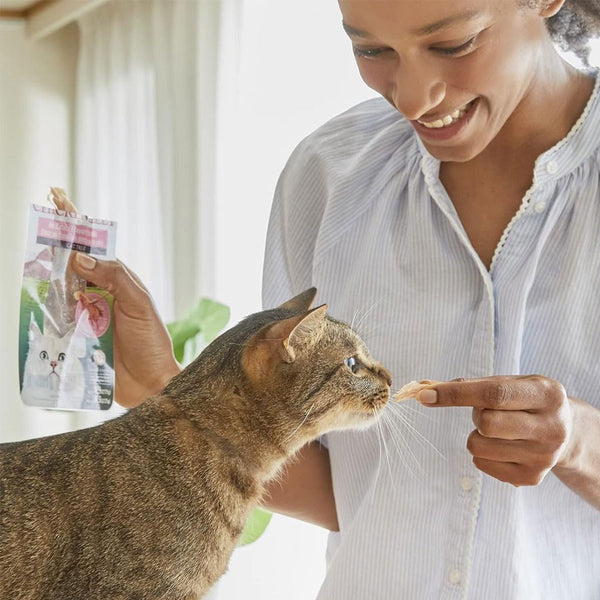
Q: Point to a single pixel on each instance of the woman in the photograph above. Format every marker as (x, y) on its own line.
(460, 214)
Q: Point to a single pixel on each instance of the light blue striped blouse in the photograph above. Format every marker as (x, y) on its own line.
(360, 213)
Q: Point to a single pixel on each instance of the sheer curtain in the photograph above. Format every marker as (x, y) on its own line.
(145, 138)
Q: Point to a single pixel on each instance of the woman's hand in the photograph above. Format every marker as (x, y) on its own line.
(143, 354)
(526, 426)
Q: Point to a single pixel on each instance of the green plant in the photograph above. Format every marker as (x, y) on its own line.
(189, 335)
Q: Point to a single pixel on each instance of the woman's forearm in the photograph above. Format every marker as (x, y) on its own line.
(304, 489)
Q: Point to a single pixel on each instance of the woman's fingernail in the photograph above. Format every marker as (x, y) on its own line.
(85, 261)
(428, 397)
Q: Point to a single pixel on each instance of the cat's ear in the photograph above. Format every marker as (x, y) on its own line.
(34, 330)
(305, 332)
(76, 342)
(279, 341)
(302, 301)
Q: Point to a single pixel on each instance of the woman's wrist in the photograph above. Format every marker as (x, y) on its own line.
(579, 467)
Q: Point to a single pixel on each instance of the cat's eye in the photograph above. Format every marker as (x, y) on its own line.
(352, 363)
(61, 357)
(44, 355)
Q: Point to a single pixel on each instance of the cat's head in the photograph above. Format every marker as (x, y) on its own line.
(49, 354)
(299, 370)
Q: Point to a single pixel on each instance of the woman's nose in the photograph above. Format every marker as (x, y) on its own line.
(417, 90)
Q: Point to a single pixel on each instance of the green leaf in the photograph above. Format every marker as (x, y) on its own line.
(255, 526)
(180, 332)
(211, 317)
(206, 320)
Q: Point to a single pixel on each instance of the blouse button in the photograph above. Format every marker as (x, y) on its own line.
(552, 167)
(466, 483)
(454, 576)
(539, 207)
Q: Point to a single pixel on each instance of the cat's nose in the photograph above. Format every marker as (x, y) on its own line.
(384, 374)
(53, 363)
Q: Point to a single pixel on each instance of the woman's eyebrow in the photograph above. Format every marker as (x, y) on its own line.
(421, 31)
(353, 32)
(445, 22)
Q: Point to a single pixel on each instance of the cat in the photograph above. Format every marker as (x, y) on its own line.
(53, 374)
(150, 505)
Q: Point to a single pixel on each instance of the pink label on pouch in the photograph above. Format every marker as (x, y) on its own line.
(71, 235)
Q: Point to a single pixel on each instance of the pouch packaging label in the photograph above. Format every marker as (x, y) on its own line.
(65, 328)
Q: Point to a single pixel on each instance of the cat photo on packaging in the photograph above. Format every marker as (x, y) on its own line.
(53, 371)
(150, 505)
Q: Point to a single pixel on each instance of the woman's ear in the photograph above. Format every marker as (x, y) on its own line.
(548, 8)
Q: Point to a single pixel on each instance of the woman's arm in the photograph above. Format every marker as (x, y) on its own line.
(579, 468)
(304, 489)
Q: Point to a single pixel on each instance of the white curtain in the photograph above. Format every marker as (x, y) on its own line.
(145, 138)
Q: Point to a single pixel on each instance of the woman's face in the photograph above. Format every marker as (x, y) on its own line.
(461, 71)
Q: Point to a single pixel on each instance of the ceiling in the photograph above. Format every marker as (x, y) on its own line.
(19, 6)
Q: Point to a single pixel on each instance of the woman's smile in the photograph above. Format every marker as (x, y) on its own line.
(447, 126)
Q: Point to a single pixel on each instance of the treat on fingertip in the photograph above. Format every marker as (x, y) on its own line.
(412, 389)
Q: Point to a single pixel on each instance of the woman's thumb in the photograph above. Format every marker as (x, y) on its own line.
(85, 261)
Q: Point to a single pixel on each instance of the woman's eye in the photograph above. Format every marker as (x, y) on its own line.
(468, 45)
(61, 357)
(43, 355)
(352, 364)
(367, 52)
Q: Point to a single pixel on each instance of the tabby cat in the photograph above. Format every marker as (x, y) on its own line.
(150, 505)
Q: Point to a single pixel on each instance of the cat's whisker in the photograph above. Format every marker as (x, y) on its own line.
(291, 435)
(367, 313)
(379, 441)
(387, 458)
(401, 443)
(408, 407)
(419, 437)
(375, 331)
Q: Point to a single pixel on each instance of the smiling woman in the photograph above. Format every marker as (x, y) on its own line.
(460, 214)
(465, 267)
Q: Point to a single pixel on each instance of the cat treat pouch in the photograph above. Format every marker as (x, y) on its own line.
(65, 329)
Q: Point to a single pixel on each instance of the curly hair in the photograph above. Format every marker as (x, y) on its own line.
(574, 25)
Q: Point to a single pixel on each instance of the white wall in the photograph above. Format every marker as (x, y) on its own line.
(36, 116)
(296, 72)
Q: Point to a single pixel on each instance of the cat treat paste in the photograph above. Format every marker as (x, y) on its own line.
(65, 329)
(412, 388)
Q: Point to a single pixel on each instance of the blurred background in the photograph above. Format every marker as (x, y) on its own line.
(174, 118)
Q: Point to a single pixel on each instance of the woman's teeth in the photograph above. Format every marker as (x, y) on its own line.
(447, 120)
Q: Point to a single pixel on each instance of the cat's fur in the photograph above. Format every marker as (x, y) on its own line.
(151, 505)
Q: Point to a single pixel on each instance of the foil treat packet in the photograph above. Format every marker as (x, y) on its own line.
(65, 326)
